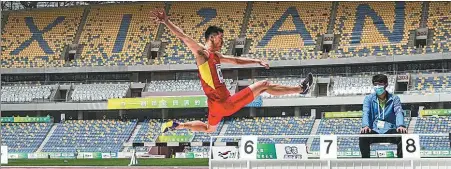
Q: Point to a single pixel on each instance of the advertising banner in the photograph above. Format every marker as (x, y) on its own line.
(385, 154)
(155, 102)
(162, 139)
(106, 155)
(158, 102)
(87, 155)
(4, 154)
(343, 114)
(179, 155)
(350, 114)
(46, 119)
(189, 155)
(291, 151)
(266, 151)
(198, 155)
(225, 152)
(436, 112)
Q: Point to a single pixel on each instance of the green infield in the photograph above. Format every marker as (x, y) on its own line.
(109, 162)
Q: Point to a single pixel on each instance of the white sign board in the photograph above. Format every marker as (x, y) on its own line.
(291, 151)
(225, 152)
(248, 148)
(4, 154)
(411, 146)
(328, 147)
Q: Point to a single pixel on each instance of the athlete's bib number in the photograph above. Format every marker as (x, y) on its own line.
(219, 72)
(411, 146)
(328, 147)
(248, 147)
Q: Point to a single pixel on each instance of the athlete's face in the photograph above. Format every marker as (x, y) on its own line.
(217, 41)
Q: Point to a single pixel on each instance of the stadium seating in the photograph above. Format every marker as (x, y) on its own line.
(432, 84)
(360, 85)
(193, 19)
(99, 92)
(287, 30)
(179, 85)
(439, 124)
(117, 34)
(24, 137)
(90, 136)
(339, 126)
(439, 22)
(376, 28)
(270, 126)
(26, 93)
(36, 38)
(149, 131)
(288, 81)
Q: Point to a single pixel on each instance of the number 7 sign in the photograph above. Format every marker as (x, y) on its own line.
(328, 147)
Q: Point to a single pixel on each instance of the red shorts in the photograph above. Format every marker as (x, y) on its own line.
(218, 110)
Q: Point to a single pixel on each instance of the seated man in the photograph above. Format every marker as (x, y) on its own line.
(382, 114)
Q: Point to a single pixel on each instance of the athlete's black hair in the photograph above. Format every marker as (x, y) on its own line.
(380, 78)
(211, 30)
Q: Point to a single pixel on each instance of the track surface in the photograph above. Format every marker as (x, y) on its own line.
(112, 167)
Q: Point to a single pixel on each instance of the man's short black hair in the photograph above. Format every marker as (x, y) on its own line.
(211, 30)
(380, 78)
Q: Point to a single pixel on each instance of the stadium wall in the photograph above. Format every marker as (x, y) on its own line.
(315, 101)
(281, 63)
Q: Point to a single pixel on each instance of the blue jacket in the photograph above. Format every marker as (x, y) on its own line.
(393, 114)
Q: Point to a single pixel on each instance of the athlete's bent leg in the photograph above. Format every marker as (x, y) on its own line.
(198, 126)
(273, 89)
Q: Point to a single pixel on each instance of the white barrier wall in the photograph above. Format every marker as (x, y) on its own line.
(328, 157)
(442, 163)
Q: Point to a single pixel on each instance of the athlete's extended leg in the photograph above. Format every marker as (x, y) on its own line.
(277, 90)
(198, 126)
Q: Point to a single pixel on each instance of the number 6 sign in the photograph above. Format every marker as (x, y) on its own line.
(411, 146)
(248, 147)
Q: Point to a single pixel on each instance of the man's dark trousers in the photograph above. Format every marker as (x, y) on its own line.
(365, 142)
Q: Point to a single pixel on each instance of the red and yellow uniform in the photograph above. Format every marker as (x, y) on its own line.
(220, 102)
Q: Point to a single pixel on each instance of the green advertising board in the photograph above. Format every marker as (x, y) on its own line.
(436, 112)
(266, 151)
(343, 114)
(350, 114)
(158, 102)
(46, 119)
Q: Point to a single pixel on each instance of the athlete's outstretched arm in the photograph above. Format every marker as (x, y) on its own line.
(241, 60)
(197, 49)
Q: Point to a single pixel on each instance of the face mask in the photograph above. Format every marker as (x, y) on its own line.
(379, 90)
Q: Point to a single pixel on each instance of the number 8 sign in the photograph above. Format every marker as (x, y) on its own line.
(248, 147)
(411, 146)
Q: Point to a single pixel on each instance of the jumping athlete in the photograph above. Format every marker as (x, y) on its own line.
(208, 58)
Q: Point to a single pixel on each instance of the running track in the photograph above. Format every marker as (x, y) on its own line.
(112, 167)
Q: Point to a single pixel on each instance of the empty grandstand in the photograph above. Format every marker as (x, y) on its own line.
(75, 64)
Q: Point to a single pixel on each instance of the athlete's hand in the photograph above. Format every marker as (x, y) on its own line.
(264, 64)
(401, 129)
(160, 15)
(365, 130)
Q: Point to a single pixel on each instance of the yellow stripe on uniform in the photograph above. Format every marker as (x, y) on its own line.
(205, 74)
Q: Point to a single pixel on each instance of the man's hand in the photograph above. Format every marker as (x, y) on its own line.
(401, 129)
(365, 130)
(264, 64)
(160, 15)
